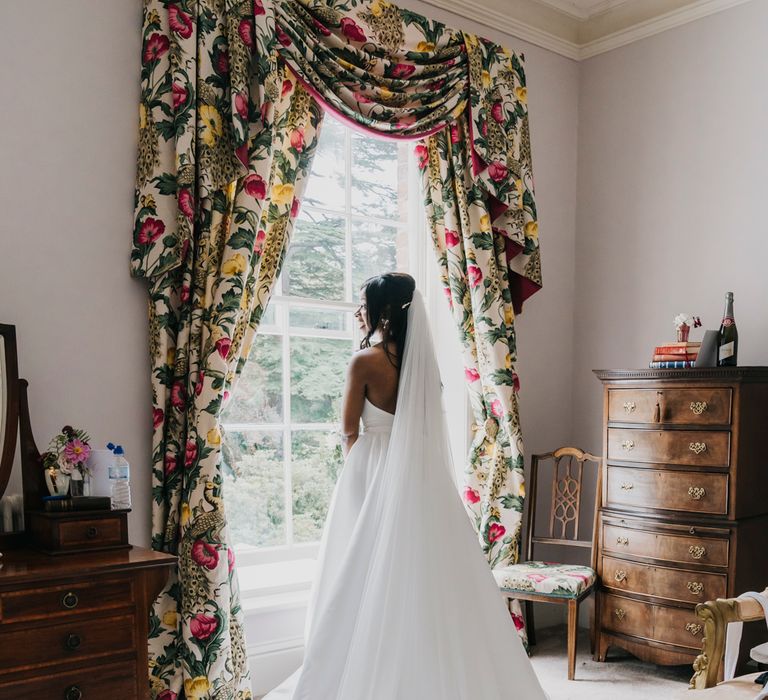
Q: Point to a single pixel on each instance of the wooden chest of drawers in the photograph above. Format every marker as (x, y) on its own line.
(75, 627)
(684, 511)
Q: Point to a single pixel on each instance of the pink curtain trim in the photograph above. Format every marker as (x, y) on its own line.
(354, 124)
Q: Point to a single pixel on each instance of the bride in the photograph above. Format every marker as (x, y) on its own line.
(404, 605)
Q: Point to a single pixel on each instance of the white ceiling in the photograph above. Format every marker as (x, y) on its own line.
(580, 29)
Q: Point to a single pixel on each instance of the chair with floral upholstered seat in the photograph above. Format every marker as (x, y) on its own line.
(542, 581)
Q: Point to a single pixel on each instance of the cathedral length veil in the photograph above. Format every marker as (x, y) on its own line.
(414, 612)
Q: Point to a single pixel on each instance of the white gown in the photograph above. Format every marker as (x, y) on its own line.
(404, 605)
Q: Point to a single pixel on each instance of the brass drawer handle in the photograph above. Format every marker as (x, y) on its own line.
(698, 407)
(697, 492)
(628, 445)
(697, 551)
(697, 447)
(693, 628)
(629, 406)
(695, 587)
(620, 576)
(620, 613)
(73, 693)
(72, 642)
(70, 600)
(627, 486)
(622, 540)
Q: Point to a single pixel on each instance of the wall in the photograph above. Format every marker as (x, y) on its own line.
(671, 172)
(69, 73)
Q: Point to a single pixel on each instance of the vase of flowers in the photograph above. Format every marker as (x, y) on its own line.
(684, 323)
(65, 463)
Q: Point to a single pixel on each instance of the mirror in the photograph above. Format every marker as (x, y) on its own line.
(11, 498)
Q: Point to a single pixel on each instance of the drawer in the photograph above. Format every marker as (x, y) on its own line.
(68, 642)
(107, 681)
(683, 406)
(89, 533)
(661, 582)
(666, 489)
(678, 626)
(696, 448)
(664, 546)
(62, 601)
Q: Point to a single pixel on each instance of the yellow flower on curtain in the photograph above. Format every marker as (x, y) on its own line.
(282, 194)
(235, 265)
(196, 688)
(425, 46)
(213, 127)
(485, 223)
(171, 619)
(142, 116)
(214, 436)
(532, 229)
(522, 94)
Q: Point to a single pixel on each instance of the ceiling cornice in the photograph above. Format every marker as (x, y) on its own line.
(556, 36)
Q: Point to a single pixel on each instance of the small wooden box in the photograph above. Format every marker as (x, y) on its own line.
(78, 531)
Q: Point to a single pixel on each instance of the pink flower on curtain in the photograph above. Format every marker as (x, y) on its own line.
(351, 29)
(475, 275)
(180, 22)
(178, 395)
(241, 104)
(283, 38)
(179, 95)
(187, 203)
(401, 70)
(199, 385)
(515, 382)
(258, 8)
(245, 30)
(518, 620)
(297, 139)
(169, 464)
(222, 62)
(496, 408)
(185, 293)
(497, 112)
(498, 171)
(287, 87)
(205, 555)
(151, 230)
(447, 292)
(203, 626)
(167, 695)
(255, 186)
(158, 416)
(454, 133)
(496, 532)
(321, 27)
(363, 98)
(223, 345)
(471, 496)
(156, 46)
(295, 207)
(190, 453)
(422, 155)
(451, 238)
(259, 245)
(471, 374)
(231, 558)
(436, 85)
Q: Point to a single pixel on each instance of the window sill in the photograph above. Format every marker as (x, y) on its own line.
(276, 586)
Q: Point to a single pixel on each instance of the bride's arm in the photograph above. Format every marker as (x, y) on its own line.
(352, 404)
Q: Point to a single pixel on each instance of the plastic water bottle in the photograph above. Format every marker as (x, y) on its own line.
(119, 479)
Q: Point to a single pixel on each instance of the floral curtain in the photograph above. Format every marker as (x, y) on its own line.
(220, 175)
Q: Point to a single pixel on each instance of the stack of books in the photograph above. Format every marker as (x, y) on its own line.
(675, 355)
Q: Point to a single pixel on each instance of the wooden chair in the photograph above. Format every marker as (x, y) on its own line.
(546, 582)
(708, 666)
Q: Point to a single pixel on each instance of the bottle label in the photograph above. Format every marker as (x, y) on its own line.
(728, 322)
(726, 351)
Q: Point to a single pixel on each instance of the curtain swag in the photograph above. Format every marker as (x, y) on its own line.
(230, 111)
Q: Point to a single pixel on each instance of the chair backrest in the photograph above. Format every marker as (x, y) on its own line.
(565, 506)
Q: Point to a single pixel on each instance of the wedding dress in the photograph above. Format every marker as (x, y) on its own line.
(404, 605)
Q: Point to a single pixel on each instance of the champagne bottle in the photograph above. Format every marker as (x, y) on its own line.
(728, 337)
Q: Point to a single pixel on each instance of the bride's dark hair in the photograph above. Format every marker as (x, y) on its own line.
(387, 298)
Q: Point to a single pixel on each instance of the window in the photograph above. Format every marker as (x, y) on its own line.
(281, 425)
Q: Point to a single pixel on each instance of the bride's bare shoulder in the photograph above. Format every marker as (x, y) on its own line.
(367, 360)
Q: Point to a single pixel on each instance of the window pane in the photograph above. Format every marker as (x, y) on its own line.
(379, 178)
(376, 249)
(258, 395)
(305, 317)
(318, 366)
(268, 317)
(325, 187)
(254, 495)
(315, 467)
(314, 266)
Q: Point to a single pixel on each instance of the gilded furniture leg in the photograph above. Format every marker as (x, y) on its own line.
(573, 630)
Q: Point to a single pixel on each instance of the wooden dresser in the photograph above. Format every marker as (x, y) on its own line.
(684, 513)
(74, 627)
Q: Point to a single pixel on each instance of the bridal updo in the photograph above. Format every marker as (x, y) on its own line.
(387, 297)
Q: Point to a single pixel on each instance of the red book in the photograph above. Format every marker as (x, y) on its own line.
(674, 357)
(673, 349)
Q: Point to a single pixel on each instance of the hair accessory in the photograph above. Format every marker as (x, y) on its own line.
(406, 305)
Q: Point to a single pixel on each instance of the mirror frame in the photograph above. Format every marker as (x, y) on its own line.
(11, 379)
